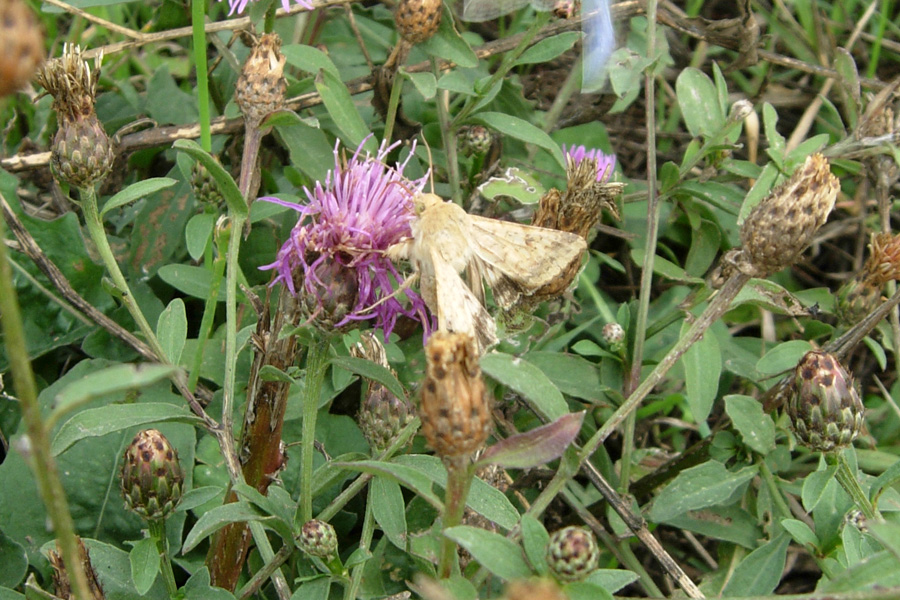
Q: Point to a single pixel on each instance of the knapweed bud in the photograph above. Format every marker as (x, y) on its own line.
(572, 553)
(859, 296)
(317, 538)
(474, 140)
(82, 153)
(61, 576)
(614, 336)
(21, 45)
(204, 186)
(455, 412)
(825, 410)
(381, 414)
(260, 88)
(152, 477)
(783, 224)
(533, 589)
(418, 20)
(856, 299)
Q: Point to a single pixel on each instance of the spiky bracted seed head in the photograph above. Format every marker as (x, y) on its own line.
(260, 88)
(572, 553)
(418, 20)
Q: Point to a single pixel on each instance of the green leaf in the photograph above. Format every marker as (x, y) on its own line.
(118, 378)
(756, 428)
(776, 141)
(198, 496)
(227, 187)
(191, 280)
(316, 589)
(521, 130)
(702, 368)
(13, 562)
(760, 571)
(783, 357)
(705, 485)
(371, 370)
(534, 541)
(198, 232)
(309, 58)
(879, 570)
(198, 587)
(115, 574)
(389, 510)
(814, 486)
(612, 580)
(412, 478)
(171, 329)
(206, 525)
(496, 553)
(448, 44)
(571, 374)
(144, 558)
(586, 590)
(425, 83)
(96, 422)
(548, 49)
(135, 191)
(699, 103)
(800, 532)
(728, 523)
(523, 377)
(339, 104)
(535, 447)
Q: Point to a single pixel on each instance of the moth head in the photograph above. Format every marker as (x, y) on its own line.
(423, 202)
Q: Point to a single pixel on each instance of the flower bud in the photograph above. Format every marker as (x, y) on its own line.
(455, 412)
(614, 336)
(152, 478)
(856, 299)
(783, 224)
(21, 45)
(317, 538)
(474, 140)
(825, 410)
(572, 553)
(418, 20)
(260, 88)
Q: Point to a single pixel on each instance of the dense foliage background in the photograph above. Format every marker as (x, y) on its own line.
(691, 477)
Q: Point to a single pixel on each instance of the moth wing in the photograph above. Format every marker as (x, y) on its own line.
(458, 310)
(519, 259)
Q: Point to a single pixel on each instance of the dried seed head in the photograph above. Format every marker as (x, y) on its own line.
(455, 412)
(317, 538)
(61, 576)
(418, 20)
(382, 415)
(825, 410)
(82, 153)
(780, 227)
(533, 589)
(883, 264)
(152, 478)
(572, 553)
(260, 88)
(474, 140)
(859, 296)
(21, 45)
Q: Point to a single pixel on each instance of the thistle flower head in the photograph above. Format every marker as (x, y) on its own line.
(238, 6)
(363, 207)
(825, 410)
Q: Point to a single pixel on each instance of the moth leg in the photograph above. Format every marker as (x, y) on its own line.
(407, 283)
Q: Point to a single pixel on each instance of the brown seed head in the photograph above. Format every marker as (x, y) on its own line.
(418, 20)
(21, 45)
(71, 82)
(61, 576)
(260, 88)
(455, 411)
(883, 264)
(780, 227)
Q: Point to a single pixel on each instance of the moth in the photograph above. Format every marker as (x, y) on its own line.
(515, 260)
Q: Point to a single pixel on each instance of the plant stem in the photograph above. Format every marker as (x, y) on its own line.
(49, 485)
(231, 276)
(365, 541)
(209, 312)
(98, 235)
(393, 105)
(459, 477)
(847, 478)
(316, 362)
(157, 529)
(260, 577)
(198, 20)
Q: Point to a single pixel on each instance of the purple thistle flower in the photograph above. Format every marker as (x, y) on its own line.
(606, 163)
(363, 208)
(238, 6)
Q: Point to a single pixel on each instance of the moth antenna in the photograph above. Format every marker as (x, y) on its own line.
(404, 186)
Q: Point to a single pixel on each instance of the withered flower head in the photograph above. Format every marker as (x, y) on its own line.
(382, 415)
(61, 580)
(82, 153)
(418, 20)
(455, 409)
(825, 410)
(260, 88)
(21, 45)
(783, 224)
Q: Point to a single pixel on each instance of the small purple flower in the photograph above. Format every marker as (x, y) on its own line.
(605, 162)
(238, 6)
(363, 208)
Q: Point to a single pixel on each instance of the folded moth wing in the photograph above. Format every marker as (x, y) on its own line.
(518, 260)
(458, 309)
